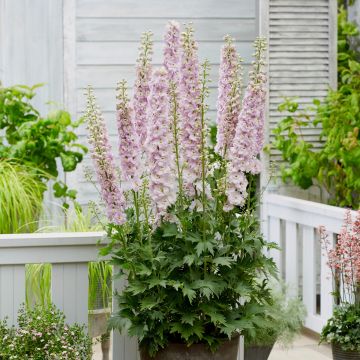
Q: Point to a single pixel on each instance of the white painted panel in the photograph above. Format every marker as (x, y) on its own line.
(121, 29)
(12, 291)
(309, 271)
(166, 9)
(69, 289)
(291, 257)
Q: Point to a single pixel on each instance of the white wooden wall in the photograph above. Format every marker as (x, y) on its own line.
(106, 38)
(302, 37)
(31, 47)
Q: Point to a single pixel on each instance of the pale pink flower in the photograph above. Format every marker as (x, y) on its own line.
(141, 86)
(190, 111)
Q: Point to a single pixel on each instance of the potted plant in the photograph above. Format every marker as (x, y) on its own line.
(184, 230)
(42, 333)
(283, 318)
(342, 330)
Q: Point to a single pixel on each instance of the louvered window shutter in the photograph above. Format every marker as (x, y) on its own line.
(302, 57)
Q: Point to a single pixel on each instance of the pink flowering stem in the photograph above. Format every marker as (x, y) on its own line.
(141, 86)
(248, 140)
(129, 149)
(103, 161)
(160, 156)
(228, 104)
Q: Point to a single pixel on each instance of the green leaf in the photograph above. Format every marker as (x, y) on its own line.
(148, 303)
(224, 261)
(189, 292)
(169, 230)
(188, 318)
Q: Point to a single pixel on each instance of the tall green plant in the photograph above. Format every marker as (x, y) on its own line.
(20, 198)
(38, 141)
(336, 166)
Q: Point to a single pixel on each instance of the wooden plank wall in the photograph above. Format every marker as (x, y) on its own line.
(31, 34)
(107, 37)
(302, 62)
(31, 52)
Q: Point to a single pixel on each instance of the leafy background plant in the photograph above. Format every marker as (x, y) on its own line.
(336, 167)
(284, 317)
(38, 141)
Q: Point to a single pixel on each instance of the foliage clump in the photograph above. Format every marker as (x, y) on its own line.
(43, 334)
(343, 328)
(336, 165)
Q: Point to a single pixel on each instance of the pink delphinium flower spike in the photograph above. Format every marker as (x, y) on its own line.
(172, 51)
(141, 86)
(190, 111)
(129, 149)
(229, 103)
(103, 162)
(248, 140)
(160, 156)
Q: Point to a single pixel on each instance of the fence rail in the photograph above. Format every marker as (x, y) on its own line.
(293, 224)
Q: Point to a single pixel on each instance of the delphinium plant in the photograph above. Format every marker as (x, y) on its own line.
(343, 328)
(184, 230)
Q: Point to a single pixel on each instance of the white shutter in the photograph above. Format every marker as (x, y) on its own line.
(301, 58)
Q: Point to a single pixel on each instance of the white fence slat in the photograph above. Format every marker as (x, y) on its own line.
(69, 288)
(291, 257)
(124, 347)
(12, 291)
(326, 286)
(274, 235)
(309, 271)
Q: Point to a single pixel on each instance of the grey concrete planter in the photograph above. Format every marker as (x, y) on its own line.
(228, 351)
(339, 354)
(257, 352)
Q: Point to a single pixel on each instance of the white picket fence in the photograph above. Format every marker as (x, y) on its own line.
(293, 224)
(69, 255)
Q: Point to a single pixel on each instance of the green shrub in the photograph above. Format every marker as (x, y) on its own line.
(21, 195)
(43, 334)
(38, 141)
(336, 166)
(343, 328)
